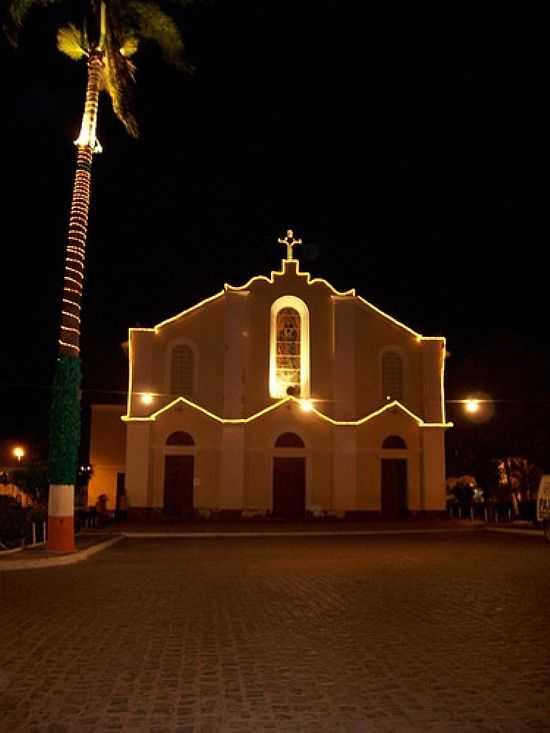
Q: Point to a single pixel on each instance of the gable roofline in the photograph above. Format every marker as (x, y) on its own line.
(395, 404)
(282, 272)
(211, 299)
(309, 281)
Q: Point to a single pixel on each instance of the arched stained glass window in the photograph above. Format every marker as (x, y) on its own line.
(392, 376)
(182, 371)
(288, 350)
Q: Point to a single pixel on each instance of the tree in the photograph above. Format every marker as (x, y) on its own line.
(463, 489)
(106, 34)
(33, 480)
(518, 479)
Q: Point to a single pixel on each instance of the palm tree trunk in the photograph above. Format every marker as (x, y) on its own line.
(65, 409)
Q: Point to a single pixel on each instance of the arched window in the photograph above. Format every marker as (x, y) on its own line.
(182, 373)
(392, 376)
(394, 442)
(289, 440)
(289, 348)
(180, 438)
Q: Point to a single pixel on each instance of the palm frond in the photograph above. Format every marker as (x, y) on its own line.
(15, 13)
(129, 46)
(119, 79)
(69, 42)
(151, 23)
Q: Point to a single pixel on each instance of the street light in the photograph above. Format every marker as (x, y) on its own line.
(147, 398)
(18, 452)
(479, 407)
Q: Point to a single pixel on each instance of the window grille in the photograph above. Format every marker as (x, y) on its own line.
(182, 373)
(288, 350)
(392, 376)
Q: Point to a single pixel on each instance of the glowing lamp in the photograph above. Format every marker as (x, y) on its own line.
(19, 452)
(147, 398)
(471, 405)
(306, 405)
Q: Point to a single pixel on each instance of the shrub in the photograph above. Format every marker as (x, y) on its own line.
(16, 522)
(13, 522)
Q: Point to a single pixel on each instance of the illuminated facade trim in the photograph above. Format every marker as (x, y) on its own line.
(351, 293)
(185, 312)
(244, 420)
(274, 390)
(283, 271)
(442, 376)
(130, 373)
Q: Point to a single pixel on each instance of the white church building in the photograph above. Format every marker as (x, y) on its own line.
(281, 397)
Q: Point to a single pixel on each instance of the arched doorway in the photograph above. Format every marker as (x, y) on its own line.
(393, 480)
(179, 462)
(289, 477)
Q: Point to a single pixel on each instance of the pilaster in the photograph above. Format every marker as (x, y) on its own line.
(343, 357)
(344, 492)
(138, 463)
(232, 467)
(236, 353)
(433, 469)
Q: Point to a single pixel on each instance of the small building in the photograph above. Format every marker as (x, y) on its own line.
(107, 454)
(281, 396)
(13, 491)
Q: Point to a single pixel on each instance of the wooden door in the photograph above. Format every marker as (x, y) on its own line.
(394, 487)
(178, 485)
(289, 487)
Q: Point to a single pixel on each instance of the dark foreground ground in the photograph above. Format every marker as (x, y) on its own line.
(442, 632)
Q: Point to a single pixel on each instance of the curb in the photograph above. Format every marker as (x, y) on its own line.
(80, 555)
(290, 533)
(13, 551)
(52, 562)
(511, 530)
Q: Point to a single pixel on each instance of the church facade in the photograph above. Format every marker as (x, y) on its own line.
(281, 397)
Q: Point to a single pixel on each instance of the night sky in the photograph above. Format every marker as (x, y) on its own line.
(403, 147)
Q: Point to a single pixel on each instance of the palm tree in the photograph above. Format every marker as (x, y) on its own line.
(107, 36)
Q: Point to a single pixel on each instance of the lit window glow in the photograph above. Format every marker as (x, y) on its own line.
(289, 348)
(287, 358)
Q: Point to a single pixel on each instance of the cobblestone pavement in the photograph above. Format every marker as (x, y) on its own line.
(409, 633)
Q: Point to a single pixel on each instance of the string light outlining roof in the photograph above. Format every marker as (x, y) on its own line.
(310, 408)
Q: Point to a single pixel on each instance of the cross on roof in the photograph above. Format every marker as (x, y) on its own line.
(290, 242)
